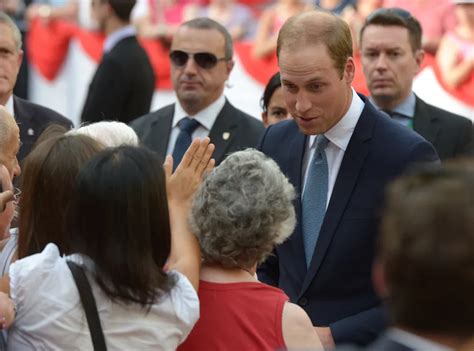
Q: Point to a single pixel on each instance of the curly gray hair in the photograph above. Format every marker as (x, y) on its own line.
(242, 210)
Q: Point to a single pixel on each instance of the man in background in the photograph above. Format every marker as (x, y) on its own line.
(201, 62)
(391, 57)
(123, 85)
(31, 118)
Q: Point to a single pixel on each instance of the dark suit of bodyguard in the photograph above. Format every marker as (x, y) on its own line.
(201, 61)
(123, 85)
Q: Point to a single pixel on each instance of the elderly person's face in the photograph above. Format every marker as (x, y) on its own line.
(198, 83)
(316, 93)
(8, 152)
(10, 61)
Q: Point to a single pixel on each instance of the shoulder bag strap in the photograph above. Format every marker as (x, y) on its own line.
(89, 305)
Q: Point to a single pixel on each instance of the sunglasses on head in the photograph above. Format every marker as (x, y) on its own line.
(383, 11)
(204, 60)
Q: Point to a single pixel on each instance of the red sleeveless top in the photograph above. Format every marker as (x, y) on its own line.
(238, 316)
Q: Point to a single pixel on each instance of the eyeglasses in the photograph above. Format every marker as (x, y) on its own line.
(390, 11)
(204, 60)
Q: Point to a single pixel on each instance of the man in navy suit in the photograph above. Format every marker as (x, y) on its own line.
(365, 149)
(425, 261)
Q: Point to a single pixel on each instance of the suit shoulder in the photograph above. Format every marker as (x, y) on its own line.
(145, 121)
(39, 113)
(447, 117)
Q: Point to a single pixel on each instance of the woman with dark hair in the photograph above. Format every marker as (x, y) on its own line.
(272, 102)
(49, 172)
(242, 211)
(126, 220)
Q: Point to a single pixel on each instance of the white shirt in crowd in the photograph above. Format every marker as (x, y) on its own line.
(50, 315)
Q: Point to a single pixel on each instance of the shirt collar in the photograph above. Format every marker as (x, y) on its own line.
(9, 106)
(341, 133)
(206, 117)
(414, 341)
(115, 37)
(405, 108)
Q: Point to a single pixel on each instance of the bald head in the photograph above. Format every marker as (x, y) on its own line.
(314, 28)
(9, 142)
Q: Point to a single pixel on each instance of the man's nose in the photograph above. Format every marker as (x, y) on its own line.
(381, 62)
(303, 103)
(190, 67)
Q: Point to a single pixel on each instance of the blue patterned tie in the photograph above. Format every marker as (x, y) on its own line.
(313, 203)
(187, 126)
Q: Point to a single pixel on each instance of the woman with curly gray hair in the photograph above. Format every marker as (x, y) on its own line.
(243, 209)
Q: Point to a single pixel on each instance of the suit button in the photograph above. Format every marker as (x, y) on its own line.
(303, 301)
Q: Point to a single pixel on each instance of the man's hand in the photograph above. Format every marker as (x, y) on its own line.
(325, 336)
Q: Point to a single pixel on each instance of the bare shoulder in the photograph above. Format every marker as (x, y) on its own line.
(298, 331)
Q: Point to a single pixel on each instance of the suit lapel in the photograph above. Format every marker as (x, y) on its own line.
(294, 173)
(424, 123)
(223, 131)
(351, 165)
(160, 129)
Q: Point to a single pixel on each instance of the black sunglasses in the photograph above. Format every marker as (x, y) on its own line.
(204, 60)
(390, 11)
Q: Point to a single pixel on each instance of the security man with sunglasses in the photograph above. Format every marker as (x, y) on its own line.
(201, 62)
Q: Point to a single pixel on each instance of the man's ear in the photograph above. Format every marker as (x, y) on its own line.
(229, 66)
(378, 279)
(419, 57)
(349, 70)
(20, 57)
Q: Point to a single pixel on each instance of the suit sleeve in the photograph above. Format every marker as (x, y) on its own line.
(268, 272)
(106, 93)
(361, 328)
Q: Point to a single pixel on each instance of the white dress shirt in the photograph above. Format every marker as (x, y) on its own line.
(206, 117)
(9, 106)
(339, 136)
(50, 315)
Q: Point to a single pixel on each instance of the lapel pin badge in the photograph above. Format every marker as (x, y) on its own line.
(31, 131)
(226, 135)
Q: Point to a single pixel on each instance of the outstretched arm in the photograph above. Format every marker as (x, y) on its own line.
(181, 185)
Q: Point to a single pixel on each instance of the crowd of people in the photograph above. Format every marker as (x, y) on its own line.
(338, 221)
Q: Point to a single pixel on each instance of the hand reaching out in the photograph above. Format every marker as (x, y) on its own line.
(187, 177)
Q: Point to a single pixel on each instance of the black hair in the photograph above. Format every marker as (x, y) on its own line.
(119, 218)
(273, 84)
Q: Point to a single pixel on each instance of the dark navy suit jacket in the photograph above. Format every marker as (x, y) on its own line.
(336, 290)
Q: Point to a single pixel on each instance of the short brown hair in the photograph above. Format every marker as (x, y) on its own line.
(427, 249)
(318, 27)
(396, 17)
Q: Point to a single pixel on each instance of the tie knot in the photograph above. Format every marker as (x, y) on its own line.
(389, 112)
(321, 143)
(188, 125)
